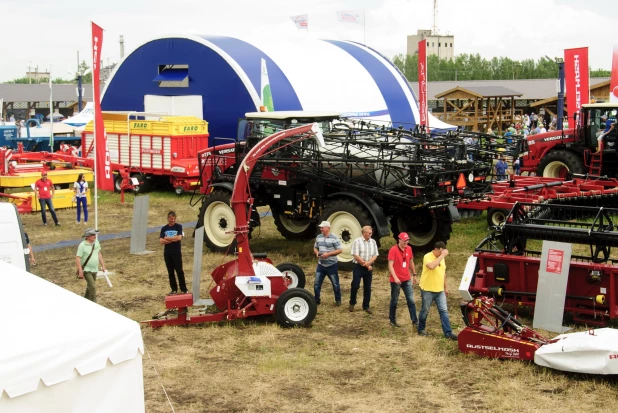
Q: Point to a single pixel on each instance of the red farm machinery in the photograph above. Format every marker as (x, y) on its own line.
(251, 285)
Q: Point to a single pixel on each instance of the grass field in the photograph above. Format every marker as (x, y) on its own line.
(346, 362)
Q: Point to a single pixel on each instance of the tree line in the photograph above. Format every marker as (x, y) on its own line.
(474, 67)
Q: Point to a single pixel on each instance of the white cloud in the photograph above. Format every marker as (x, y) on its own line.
(52, 32)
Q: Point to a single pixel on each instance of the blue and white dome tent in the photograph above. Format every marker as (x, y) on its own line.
(219, 79)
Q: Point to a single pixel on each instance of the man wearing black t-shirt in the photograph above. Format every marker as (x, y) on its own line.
(170, 237)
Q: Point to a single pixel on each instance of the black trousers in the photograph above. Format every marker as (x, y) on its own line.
(174, 262)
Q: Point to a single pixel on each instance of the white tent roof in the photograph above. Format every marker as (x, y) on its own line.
(50, 333)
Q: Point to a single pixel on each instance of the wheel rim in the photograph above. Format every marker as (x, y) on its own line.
(219, 219)
(296, 309)
(295, 226)
(555, 169)
(498, 218)
(347, 228)
(291, 278)
(423, 232)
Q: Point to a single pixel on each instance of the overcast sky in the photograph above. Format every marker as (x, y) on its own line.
(51, 32)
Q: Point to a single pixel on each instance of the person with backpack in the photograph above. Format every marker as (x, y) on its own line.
(80, 187)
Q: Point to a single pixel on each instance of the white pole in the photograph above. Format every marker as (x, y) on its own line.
(51, 114)
(364, 36)
(94, 147)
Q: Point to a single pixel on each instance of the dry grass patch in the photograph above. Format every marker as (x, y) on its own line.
(346, 362)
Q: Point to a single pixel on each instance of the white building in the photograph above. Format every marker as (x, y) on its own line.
(438, 45)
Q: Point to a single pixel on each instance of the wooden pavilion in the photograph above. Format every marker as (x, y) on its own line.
(480, 107)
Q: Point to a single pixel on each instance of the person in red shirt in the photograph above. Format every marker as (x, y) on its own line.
(400, 265)
(44, 189)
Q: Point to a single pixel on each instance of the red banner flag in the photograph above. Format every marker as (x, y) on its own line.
(613, 84)
(422, 83)
(576, 79)
(103, 170)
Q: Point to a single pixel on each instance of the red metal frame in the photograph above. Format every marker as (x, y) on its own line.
(230, 301)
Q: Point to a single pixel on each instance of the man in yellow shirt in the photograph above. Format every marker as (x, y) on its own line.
(434, 289)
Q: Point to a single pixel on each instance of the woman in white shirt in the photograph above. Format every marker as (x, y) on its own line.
(80, 188)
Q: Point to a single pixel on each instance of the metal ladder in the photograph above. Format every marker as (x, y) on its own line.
(596, 161)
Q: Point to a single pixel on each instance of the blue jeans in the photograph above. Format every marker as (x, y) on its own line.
(406, 286)
(82, 203)
(332, 274)
(440, 300)
(361, 273)
(49, 204)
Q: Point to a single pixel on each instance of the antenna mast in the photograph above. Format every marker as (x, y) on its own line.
(435, 17)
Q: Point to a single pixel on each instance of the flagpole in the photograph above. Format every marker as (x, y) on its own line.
(94, 147)
(51, 114)
(364, 35)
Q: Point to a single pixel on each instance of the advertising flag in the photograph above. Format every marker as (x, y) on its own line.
(301, 21)
(103, 170)
(576, 79)
(422, 83)
(613, 84)
(351, 16)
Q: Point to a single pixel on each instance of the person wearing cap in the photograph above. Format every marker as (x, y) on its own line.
(434, 289)
(87, 260)
(365, 253)
(44, 190)
(326, 248)
(400, 266)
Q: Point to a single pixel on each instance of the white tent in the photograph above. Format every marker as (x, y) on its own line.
(62, 353)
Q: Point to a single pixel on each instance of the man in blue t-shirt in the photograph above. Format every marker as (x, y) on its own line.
(501, 167)
(326, 248)
(170, 238)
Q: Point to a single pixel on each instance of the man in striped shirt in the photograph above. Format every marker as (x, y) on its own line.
(326, 248)
(365, 252)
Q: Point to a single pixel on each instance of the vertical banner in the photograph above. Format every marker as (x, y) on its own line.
(576, 79)
(301, 21)
(422, 83)
(613, 84)
(104, 179)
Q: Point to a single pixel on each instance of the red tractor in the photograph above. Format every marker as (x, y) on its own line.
(555, 154)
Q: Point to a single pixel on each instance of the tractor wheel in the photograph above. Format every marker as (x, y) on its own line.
(117, 183)
(294, 228)
(496, 216)
(424, 227)
(218, 218)
(293, 273)
(347, 218)
(295, 307)
(557, 164)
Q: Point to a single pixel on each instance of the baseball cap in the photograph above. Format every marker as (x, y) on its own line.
(43, 173)
(404, 236)
(603, 116)
(324, 224)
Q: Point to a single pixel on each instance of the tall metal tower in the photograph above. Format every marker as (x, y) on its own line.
(434, 30)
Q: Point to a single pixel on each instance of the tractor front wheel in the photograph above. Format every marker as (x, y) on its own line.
(558, 163)
(295, 308)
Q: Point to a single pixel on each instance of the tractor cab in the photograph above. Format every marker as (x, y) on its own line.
(592, 123)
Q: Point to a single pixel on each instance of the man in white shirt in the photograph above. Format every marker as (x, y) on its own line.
(365, 253)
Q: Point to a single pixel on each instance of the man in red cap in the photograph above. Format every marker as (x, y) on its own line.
(400, 266)
(44, 189)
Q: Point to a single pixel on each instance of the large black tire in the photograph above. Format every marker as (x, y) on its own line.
(293, 273)
(556, 164)
(117, 183)
(301, 229)
(347, 218)
(424, 227)
(496, 216)
(295, 308)
(217, 217)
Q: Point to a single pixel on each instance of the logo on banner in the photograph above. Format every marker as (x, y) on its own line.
(578, 93)
(350, 16)
(301, 22)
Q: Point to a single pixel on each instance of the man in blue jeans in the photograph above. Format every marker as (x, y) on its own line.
(44, 189)
(326, 248)
(400, 265)
(434, 289)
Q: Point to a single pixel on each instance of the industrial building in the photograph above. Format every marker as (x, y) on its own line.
(442, 46)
